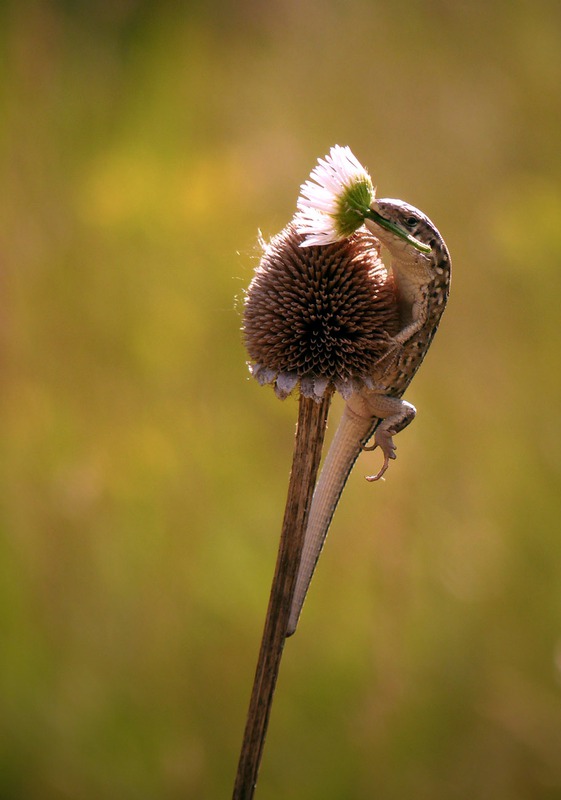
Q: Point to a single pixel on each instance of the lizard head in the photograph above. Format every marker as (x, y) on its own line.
(402, 228)
(418, 252)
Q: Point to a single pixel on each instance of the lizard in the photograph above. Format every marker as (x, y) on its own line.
(422, 284)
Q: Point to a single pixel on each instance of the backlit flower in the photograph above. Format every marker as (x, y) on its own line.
(334, 202)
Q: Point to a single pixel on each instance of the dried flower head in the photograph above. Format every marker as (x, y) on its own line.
(319, 317)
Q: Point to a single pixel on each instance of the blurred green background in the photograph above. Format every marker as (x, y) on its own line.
(144, 475)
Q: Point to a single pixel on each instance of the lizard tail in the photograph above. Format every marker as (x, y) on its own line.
(352, 433)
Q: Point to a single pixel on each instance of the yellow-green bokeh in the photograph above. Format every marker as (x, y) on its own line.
(143, 474)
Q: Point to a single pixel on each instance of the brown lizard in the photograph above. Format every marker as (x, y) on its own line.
(422, 284)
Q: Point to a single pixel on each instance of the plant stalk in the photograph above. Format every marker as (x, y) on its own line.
(310, 431)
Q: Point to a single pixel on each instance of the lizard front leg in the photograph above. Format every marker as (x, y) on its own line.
(395, 415)
(397, 342)
(418, 319)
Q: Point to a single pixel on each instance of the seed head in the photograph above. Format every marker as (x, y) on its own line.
(319, 317)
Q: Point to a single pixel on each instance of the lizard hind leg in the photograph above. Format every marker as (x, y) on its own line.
(395, 415)
(383, 440)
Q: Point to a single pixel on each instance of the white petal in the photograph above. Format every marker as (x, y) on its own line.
(286, 381)
(320, 385)
(307, 386)
(264, 375)
(319, 198)
(317, 227)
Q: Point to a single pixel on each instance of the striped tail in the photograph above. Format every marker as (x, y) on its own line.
(354, 430)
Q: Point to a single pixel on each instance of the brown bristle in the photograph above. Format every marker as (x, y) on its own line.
(323, 312)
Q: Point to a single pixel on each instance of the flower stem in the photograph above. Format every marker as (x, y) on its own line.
(312, 420)
(372, 214)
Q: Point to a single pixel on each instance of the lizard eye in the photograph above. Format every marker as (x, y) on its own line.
(411, 222)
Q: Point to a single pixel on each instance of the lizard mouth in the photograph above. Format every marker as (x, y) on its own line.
(397, 230)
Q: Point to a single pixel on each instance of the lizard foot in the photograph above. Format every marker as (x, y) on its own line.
(384, 441)
(391, 356)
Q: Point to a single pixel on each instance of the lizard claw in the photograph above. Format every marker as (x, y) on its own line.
(384, 440)
(389, 359)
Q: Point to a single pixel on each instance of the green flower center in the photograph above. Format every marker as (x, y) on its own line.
(353, 205)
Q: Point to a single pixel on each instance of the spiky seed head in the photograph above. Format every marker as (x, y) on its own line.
(318, 317)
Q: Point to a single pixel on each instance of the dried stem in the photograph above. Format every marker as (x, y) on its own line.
(312, 420)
